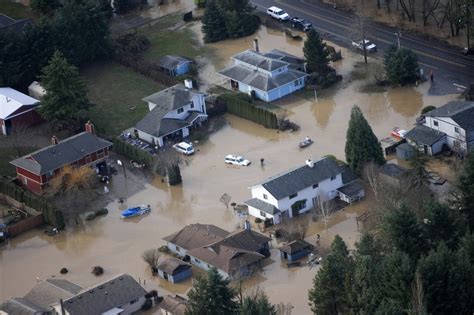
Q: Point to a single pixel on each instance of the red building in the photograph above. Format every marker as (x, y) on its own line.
(17, 109)
(37, 169)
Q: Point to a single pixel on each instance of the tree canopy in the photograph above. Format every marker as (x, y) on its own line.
(362, 146)
(401, 65)
(316, 53)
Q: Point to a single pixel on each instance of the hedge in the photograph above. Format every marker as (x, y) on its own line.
(248, 111)
(133, 153)
(51, 215)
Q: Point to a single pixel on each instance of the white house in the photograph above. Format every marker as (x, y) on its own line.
(265, 76)
(173, 112)
(450, 125)
(297, 191)
(17, 110)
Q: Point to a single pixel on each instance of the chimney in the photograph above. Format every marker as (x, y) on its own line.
(310, 163)
(54, 140)
(247, 225)
(255, 45)
(90, 127)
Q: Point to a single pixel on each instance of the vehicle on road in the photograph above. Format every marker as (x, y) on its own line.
(301, 24)
(184, 147)
(278, 14)
(236, 160)
(369, 46)
(468, 51)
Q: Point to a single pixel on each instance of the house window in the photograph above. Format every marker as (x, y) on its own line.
(315, 186)
(333, 177)
(263, 214)
(265, 196)
(178, 249)
(299, 205)
(209, 266)
(293, 195)
(297, 82)
(456, 129)
(180, 110)
(191, 105)
(133, 301)
(435, 123)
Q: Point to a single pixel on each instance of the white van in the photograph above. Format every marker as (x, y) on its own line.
(184, 147)
(236, 160)
(278, 14)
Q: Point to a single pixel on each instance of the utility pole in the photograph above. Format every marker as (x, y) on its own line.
(125, 176)
(398, 34)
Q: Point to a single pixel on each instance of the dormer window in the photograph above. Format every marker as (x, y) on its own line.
(435, 123)
(191, 105)
(180, 110)
(456, 129)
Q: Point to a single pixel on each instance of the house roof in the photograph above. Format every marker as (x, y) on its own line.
(196, 235)
(258, 60)
(11, 101)
(347, 175)
(9, 24)
(263, 206)
(351, 189)
(172, 61)
(424, 135)
(172, 98)
(260, 80)
(50, 291)
(292, 181)
(174, 304)
(284, 56)
(462, 112)
(65, 152)
(245, 239)
(110, 294)
(173, 266)
(393, 170)
(295, 246)
(21, 306)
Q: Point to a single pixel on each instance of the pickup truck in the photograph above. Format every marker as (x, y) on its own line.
(369, 46)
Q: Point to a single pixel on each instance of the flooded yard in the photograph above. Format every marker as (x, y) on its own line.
(117, 245)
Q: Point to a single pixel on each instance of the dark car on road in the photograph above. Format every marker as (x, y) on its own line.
(301, 24)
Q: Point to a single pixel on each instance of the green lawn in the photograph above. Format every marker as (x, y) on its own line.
(8, 154)
(115, 90)
(15, 10)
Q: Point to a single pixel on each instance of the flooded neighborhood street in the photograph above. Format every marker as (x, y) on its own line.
(117, 245)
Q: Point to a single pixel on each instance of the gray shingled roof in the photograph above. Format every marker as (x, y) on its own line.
(172, 61)
(295, 246)
(172, 98)
(21, 306)
(352, 188)
(9, 24)
(50, 291)
(283, 185)
(173, 266)
(256, 59)
(174, 304)
(424, 135)
(196, 235)
(65, 152)
(284, 56)
(113, 293)
(263, 206)
(393, 170)
(259, 80)
(347, 175)
(244, 239)
(462, 112)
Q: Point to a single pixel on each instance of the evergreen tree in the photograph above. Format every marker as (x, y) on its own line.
(362, 145)
(257, 304)
(401, 65)
(213, 23)
(418, 175)
(66, 96)
(212, 295)
(465, 190)
(404, 232)
(441, 224)
(174, 174)
(45, 7)
(330, 291)
(316, 53)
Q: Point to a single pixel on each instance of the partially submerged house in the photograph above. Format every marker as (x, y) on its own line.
(234, 255)
(297, 191)
(173, 112)
(36, 170)
(173, 305)
(174, 65)
(174, 270)
(450, 125)
(393, 174)
(295, 250)
(264, 76)
(17, 110)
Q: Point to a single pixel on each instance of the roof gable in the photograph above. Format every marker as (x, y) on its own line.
(49, 292)
(172, 61)
(11, 101)
(196, 235)
(256, 59)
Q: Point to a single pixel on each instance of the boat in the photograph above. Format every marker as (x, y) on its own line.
(136, 211)
(398, 133)
(305, 143)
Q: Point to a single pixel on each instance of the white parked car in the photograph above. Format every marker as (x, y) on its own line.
(184, 147)
(278, 14)
(236, 160)
(369, 46)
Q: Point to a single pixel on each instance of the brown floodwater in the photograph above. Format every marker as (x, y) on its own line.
(117, 245)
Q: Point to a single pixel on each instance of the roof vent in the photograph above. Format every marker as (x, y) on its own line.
(310, 163)
(79, 297)
(106, 292)
(91, 291)
(121, 278)
(101, 287)
(112, 282)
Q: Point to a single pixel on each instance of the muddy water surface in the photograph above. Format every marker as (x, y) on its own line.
(117, 245)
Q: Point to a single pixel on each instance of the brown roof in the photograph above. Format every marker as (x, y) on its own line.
(226, 258)
(244, 239)
(50, 291)
(196, 235)
(173, 266)
(174, 304)
(295, 246)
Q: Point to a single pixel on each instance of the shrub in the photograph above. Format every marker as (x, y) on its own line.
(164, 249)
(427, 109)
(102, 211)
(97, 271)
(132, 153)
(63, 271)
(151, 257)
(90, 216)
(258, 220)
(147, 305)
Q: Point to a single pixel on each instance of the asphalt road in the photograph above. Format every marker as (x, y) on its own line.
(448, 64)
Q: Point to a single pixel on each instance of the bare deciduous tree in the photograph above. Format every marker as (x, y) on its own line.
(225, 199)
(324, 208)
(418, 296)
(151, 257)
(360, 9)
(284, 308)
(371, 172)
